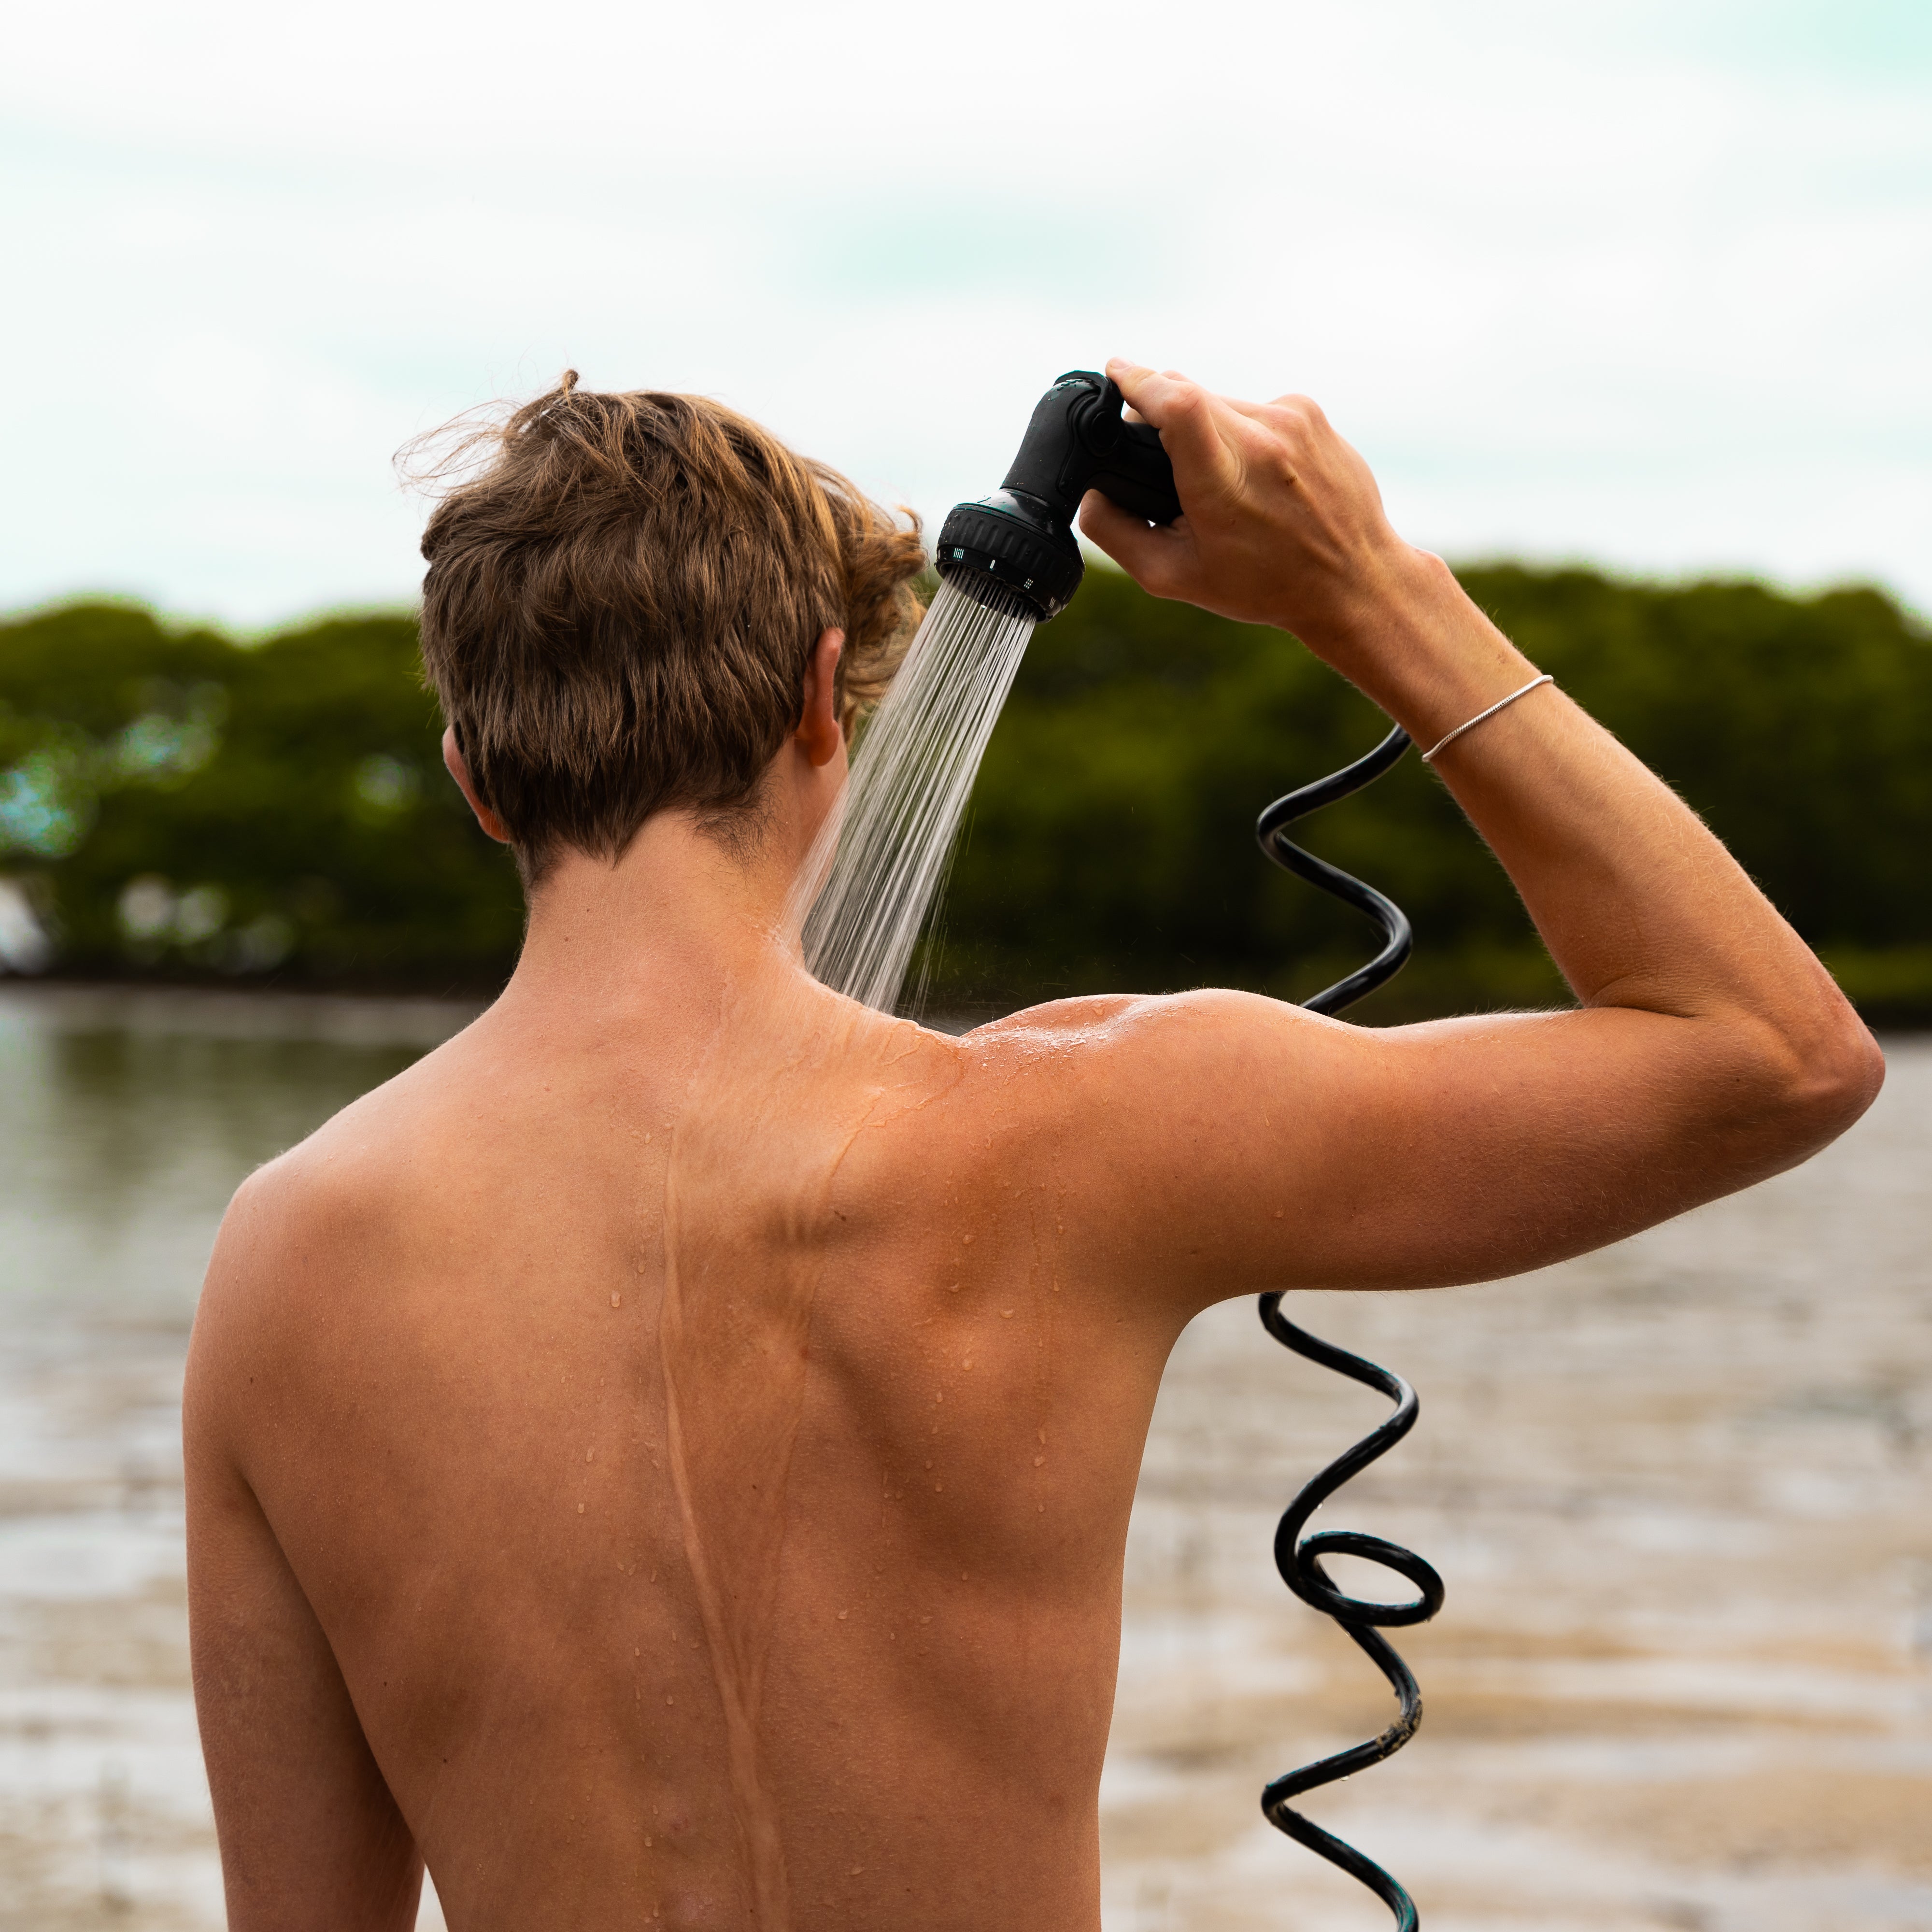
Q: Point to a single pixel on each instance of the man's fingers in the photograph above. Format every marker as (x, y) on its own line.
(1161, 399)
(1184, 413)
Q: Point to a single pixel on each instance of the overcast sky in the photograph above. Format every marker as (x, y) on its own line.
(1645, 284)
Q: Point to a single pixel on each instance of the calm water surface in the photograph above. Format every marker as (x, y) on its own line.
(1681, 1492)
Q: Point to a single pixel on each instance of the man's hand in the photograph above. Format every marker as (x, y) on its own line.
(1284, 523)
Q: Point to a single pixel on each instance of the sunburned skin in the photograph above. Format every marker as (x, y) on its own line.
(665, 1460)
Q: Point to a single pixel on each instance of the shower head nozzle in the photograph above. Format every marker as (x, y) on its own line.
(1018, 544)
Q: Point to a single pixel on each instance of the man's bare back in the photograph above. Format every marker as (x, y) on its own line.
(800, 1430)
(667, 1457)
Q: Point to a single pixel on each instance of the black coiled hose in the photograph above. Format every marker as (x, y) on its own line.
(1297, 1557)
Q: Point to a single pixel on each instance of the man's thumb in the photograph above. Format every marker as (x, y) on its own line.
(1151, 556)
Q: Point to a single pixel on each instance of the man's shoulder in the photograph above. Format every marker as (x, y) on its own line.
(323, 1210)
(361, 1159)
(1116, 1034)
(1092, 1076)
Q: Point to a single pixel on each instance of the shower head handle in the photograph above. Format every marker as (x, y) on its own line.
(1078, 440)
(1018, 545)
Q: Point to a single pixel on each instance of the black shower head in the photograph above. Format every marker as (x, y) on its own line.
(1019, 542)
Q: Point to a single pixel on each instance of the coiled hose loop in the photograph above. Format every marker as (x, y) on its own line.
(1298, 1557)
(1397, 939)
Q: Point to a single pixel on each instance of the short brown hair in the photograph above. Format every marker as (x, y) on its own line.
(621, 600)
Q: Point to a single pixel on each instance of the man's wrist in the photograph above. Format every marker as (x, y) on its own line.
(1413, 641)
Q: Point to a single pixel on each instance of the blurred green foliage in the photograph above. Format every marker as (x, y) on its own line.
(173, 803)
(1111, 840)
(180, 805)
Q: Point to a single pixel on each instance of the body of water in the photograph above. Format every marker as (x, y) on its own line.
(1681, 1491)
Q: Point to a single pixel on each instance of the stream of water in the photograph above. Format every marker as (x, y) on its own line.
(884, 856)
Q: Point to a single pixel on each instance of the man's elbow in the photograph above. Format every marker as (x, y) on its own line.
(1828, 1074)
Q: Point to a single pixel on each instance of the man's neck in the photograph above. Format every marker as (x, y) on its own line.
(663, 930)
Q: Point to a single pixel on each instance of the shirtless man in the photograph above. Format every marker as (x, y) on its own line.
(664, 1460)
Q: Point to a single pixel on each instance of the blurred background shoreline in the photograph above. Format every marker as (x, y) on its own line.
(179, 807)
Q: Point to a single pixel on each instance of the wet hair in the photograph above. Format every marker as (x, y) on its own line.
(623, 593)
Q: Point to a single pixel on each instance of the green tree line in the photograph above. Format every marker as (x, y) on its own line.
(177, 804)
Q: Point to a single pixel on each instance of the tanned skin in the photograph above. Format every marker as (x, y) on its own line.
(665, 1459)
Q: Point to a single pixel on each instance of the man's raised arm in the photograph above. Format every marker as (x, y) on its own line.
(1710, 1048)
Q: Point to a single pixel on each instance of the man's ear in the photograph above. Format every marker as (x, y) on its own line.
(452, 757)
(820, 735)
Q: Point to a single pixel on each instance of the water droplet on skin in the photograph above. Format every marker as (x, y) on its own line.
(1037, 1460)
(1277, 1213)
(616, 1301)
(936, 1487)
(579, 1509)
(1043, 1435)
(843, 1615)
(670, 1700)
(637, 1652)
(925, 1620)
(590, 1455)
(647, 1840)
(969, 1241)
(855, 1871)
(967, 1363)
(1006, 1314)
